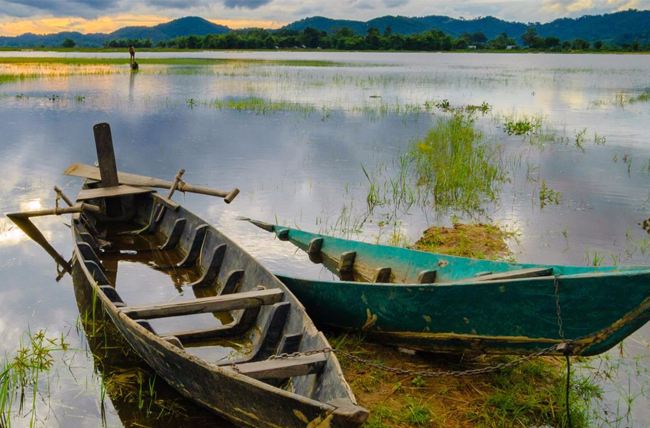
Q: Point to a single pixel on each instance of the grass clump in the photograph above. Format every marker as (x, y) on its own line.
(455, 163)
(523, 125)
(548, 196)
(20, 374)
(480, 241)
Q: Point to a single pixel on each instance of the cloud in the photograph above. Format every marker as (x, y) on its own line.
(57, 7)
(395, 3)
(581, 7)
(245, 4)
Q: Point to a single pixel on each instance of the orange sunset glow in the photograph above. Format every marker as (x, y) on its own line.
(108, 24)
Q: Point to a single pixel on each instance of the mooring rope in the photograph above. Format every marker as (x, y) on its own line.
(567, 351)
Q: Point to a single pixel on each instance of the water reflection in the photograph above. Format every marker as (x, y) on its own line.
(303, 169)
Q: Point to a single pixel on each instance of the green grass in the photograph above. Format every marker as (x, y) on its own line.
(8, 78)
(533, 394)
(455, 163)
(642, 98)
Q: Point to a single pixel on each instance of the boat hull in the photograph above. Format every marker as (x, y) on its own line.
(512, 317)
(440, 303)
(241, 399)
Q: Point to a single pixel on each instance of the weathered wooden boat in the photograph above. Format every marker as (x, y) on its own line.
(284, 376)
(441, 303)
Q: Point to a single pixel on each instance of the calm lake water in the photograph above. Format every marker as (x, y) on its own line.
(296, 134)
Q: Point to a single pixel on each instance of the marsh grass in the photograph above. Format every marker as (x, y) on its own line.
(457, 166)
(259, 105)
(21, 374)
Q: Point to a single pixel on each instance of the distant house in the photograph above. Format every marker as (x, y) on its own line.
(471, 46)
(511, 47)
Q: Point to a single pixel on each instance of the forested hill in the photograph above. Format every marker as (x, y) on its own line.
(619, 27)
(190, 25)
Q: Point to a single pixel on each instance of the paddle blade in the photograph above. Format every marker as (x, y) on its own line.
(32, 231)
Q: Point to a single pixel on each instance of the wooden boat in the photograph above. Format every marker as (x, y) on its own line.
(441, 303)
(284, 376)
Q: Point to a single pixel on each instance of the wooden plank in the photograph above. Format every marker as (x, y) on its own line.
(173, 340)
(272, 330)
(427, 277)
(514, 274)
(195, 246)
(283, 368)
(346, 263)
(110, 192)
(92, 172)
(245, 323)
(174, 235)
(230, 302)
(233, 281)
(105, 155)
(315, 246)
(211, 271)
(382, 275)
(112, 295)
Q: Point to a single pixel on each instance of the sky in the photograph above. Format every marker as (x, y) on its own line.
(89, 16)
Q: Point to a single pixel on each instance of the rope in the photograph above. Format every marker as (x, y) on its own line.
(567, 352)
(568, 390)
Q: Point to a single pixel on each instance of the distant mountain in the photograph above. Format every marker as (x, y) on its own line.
(490, 26)
(620, 27)
(191, 25)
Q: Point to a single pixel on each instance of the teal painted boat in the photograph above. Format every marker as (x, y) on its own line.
(440, 303)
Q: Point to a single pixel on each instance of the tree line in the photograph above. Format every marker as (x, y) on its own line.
(374, 39)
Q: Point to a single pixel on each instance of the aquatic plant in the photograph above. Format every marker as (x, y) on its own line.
(457, 166)
(261, 105)
(20, 374)
(522, 125)
(548, 196)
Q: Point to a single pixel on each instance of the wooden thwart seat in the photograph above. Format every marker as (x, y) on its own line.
(230, 302)
(283, 368)
(514, 274)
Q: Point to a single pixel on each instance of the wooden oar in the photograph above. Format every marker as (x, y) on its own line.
(22, 220)
(92, 172)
